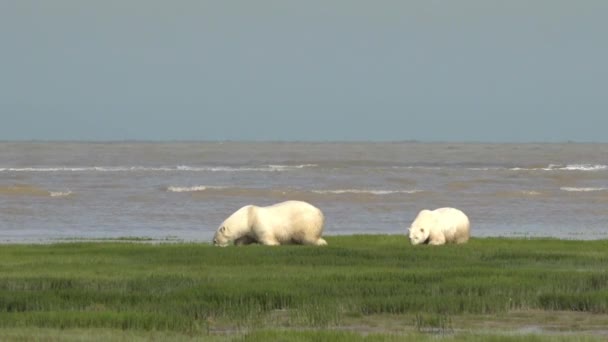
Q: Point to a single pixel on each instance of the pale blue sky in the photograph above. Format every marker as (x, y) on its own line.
(533, 70)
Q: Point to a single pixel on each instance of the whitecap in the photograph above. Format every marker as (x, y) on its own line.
(291, 167)
(576, 167)
(413, 167)
(186, 188)
(584, 167)
(267, 168)
(365, 192)
(43, 169)
(582, 189)
(84, 169)
(568, 167)
(195, 188)
(60, 193)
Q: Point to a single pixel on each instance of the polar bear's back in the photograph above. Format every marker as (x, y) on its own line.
(291, 221)
(454, 224)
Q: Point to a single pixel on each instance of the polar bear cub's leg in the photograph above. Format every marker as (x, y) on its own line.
(320, 242)
(437, 242)
(436, 238)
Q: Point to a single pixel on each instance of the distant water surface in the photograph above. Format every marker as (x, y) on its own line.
(182, 191)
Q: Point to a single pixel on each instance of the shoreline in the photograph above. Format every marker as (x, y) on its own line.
(177, 240)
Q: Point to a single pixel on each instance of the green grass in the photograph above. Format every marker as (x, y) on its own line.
(369, 284)
(271, 335)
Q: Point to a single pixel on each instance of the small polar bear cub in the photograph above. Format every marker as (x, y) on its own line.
(290, 222)
(440, 226)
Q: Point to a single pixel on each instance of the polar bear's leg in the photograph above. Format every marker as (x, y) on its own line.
(244, 240)
(269, 241)
(310, 239)
(462, 239)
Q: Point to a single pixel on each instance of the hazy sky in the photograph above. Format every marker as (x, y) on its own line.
(508, 70)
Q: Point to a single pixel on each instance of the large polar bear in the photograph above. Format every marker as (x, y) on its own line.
(282, 223)
(440, 226)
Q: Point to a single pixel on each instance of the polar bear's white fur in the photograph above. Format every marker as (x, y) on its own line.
(291, 222)
(440, 226)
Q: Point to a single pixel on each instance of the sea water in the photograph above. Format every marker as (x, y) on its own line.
(182, 191)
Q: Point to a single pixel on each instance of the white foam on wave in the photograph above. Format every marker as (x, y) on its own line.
(195, 188)
(414, 167)
(87, 168)
(266, 168)
(584, 167)
(60, 193)
(291, 167)
(550, 167)
(218, 169)
(200, 188)
(569, 167)
(366, 192)
(43, 169)
(582, 189)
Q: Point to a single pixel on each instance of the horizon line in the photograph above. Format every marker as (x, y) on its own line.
(328, 141)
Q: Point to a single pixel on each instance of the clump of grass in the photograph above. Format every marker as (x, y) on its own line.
(437, 324)
(341, 336)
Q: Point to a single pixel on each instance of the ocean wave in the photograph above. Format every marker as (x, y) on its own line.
(580, 167)
(365, 192)
(582, 189)
(195, 188)
(417, 167)
(30, 190)
(264, 168)
(517, 194)
(295, 167)
(550, 167)
(60, 193)
(568, 167)
(292, 167)
(85, 169)
(530, 192)
(275, 191)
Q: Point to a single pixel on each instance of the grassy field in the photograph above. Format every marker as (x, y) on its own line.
(359, 288)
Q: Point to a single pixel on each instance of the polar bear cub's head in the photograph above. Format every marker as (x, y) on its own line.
(234, 227)
(421, 227)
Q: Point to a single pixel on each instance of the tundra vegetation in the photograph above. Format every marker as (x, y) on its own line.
(358, 288)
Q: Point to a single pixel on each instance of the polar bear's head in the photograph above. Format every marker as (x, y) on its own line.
(222, 237)
(234, 227)
(421, 227)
